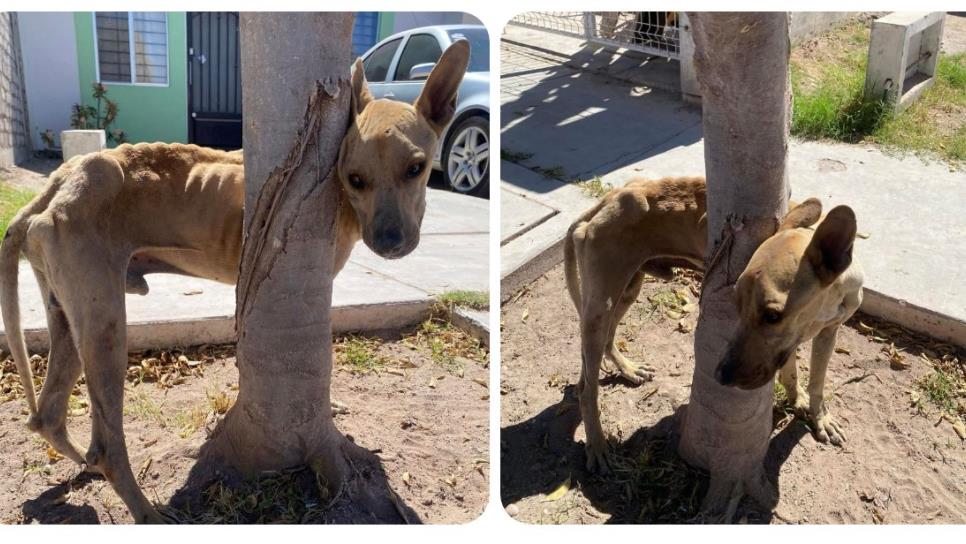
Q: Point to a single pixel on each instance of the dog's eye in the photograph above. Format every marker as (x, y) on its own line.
(414, 170)
(356, 182)
(772, 316)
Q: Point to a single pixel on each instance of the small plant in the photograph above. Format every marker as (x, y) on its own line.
(86, 117)
(940, 389)
(47, 137)
(595, 187)
(359, 354)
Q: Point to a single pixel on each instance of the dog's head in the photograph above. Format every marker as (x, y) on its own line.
(387, 153)
(780, 294)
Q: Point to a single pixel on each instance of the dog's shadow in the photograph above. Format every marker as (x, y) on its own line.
(51, 506)
(649, 483)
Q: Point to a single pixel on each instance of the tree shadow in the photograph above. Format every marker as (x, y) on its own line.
(215, 493)
(649, 482)
(591, 113)
(51, 506)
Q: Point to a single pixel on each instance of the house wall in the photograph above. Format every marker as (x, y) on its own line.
(49, 47)
(14, 127)
(145, 113)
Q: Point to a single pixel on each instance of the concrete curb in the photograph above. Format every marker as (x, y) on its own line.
(476, 323)
(221, 329)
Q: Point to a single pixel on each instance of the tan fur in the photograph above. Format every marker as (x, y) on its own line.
(106, 219)
(649, 226)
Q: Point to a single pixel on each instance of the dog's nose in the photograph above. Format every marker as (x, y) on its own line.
(388, 241)
(725, 373)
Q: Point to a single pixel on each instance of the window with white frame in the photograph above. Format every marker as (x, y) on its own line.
(132, 47)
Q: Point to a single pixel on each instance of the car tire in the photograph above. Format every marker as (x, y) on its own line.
(466, 157)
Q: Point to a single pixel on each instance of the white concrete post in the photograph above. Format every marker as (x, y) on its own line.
(903, 53)
(690, 91)
(82, 142)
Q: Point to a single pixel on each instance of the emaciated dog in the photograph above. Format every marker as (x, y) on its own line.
(800, 285)
(91, 235)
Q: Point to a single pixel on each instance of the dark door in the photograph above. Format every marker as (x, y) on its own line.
(214, 80)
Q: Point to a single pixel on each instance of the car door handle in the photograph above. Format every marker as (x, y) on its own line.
(389, 94)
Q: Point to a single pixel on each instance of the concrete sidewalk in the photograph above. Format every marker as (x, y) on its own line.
(910, 208)
(369, 294)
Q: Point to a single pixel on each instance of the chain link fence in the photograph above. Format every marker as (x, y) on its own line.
(651, 32)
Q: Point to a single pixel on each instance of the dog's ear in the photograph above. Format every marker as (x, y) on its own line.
(360, 89)
(437, 102)
(830, 251)
(805, 214)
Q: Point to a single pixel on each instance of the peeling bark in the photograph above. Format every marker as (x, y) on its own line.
(742, 66)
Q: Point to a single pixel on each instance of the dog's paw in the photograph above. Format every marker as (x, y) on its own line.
(598, 457)
(638, 375)
(828, 430)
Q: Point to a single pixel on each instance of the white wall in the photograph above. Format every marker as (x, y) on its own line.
(49, 48)
(405, 20)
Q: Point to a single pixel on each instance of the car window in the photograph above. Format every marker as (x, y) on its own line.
(420, 49)
(377, 64)
(479, 47)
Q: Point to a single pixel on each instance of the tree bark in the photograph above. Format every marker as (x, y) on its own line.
(295, 81)
(742, 66)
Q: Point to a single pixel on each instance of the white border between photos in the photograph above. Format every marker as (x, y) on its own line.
(494, 526)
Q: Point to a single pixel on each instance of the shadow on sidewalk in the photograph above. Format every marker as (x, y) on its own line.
(572, 124)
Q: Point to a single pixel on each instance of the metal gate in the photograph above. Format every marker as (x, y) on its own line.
(214, 80)
(652, 32)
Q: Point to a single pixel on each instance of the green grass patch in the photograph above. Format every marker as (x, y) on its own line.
(477, 300)
(595, 187)
(359, 354)
(11, 200)
(828, 84)
(940, 389)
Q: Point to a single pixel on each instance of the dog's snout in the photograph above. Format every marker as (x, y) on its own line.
(389, 241)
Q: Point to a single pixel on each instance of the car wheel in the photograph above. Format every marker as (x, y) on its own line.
(466, 159)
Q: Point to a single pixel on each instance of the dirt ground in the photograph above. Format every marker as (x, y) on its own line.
(32, 174)
(418, 401)
(902, 463)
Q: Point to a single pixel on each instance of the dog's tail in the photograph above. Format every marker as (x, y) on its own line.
(10, 250)
(570, 255)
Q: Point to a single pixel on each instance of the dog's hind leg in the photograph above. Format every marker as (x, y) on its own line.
(63, 370)
(603, 287)
(628, 369)
(95, 311)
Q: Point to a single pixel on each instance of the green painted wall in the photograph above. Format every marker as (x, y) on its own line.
(386, 21)
(145, 113)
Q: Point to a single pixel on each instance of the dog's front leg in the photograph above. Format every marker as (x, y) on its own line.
(826, 428)
(793, 390)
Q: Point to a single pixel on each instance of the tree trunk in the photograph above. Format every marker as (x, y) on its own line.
(742, 66)
(295, 78)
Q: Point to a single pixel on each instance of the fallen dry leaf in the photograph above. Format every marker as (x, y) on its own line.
(561, 490)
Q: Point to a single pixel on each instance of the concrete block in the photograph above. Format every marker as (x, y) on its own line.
(903, 53)
(82, 142)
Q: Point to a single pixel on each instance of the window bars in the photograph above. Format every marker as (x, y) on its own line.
(651, 32)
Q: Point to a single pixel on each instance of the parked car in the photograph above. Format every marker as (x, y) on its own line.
(397, 68)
